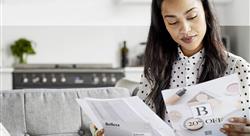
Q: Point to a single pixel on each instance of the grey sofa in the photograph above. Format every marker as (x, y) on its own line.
(50, 112)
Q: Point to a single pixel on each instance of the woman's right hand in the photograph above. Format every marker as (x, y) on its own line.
(95, 132)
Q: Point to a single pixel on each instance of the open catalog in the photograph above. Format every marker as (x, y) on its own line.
(124, 117)
(202, 109)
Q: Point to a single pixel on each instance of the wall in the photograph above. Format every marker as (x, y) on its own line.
(237, 13)
(74, 44)
(235, 20)
(74, 12)
(90, 31)
(239, 40)
(105, 12)
(74, 31)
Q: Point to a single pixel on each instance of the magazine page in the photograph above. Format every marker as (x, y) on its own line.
(202, 109)
(3, 131)
(159, 127)
(124, 117)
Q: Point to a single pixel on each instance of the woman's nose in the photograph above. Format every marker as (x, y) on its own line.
(185, 28)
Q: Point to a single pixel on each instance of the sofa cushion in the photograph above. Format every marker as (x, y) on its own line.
(12, 112)
(50, 112)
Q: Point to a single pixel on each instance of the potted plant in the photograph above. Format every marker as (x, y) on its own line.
(21, 48)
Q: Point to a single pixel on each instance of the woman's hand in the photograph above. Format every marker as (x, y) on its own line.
(237, 127)
(95, 132)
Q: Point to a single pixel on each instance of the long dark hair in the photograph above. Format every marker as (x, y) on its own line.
(162, 51)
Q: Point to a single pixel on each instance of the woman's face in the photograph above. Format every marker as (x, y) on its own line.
(185, 21)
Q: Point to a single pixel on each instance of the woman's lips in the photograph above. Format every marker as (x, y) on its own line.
(188, 39)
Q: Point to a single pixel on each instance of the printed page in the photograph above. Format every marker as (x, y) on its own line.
(159, 127)
(90, 113)
(124, 117)
(202, 109)
(3, 131)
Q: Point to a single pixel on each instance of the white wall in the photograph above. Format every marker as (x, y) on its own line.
(74, 31)
(237, 13)
(71, 31)
(105, 12)
(74, 44)
(74, 12)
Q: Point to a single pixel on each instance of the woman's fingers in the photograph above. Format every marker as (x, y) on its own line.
(240, 120)
(238, 127)
(100, 132)
(93, 126)
(93, 129)
(235, 128)
(237, 134)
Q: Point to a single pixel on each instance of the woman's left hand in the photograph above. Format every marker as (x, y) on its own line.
(237, 127)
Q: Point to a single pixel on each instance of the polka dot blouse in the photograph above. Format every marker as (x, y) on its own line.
(186, 72)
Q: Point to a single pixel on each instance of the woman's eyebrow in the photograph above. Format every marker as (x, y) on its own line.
(173, 16)
(190, 10)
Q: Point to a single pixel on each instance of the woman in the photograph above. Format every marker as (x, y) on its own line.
(184, 48)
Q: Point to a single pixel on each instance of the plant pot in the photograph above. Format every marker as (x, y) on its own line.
(23, 59)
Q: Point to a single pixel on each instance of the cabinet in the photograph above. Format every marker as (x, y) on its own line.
(6, 78)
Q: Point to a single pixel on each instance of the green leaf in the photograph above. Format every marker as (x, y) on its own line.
(20, 47)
